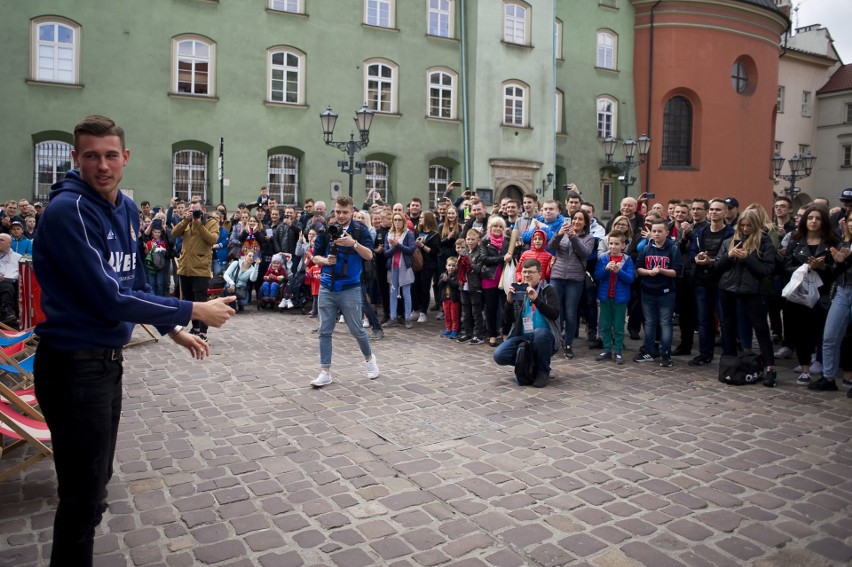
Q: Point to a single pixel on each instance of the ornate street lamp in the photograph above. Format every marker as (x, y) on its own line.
(800, 167)
(631, 146)
(363, 120)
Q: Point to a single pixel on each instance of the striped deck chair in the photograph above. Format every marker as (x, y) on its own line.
(23, 431)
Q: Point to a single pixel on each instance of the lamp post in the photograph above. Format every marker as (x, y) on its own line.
(363, 120)
(630, 160)
(800, 167)
(546, 182)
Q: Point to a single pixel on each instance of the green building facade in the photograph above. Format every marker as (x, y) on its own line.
(493, 94)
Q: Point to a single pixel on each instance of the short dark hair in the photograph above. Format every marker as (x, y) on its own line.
(532, 196)
(98, 126)
(345, 201)
(573, 195)
(531, 263)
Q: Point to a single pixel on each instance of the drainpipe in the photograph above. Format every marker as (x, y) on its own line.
(465, 135)
(646, 186)
(553, 107)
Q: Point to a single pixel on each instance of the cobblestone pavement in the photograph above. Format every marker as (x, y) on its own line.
(236, 461)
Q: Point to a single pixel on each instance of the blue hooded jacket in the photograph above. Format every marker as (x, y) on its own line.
(92, 278)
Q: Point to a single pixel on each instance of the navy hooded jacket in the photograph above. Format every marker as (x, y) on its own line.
(92, 278)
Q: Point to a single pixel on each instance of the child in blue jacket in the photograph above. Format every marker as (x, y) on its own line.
(614, 273)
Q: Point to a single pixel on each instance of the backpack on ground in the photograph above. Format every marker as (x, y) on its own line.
(746, 368)
(525, 363)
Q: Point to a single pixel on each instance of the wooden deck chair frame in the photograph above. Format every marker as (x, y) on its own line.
(14, 358)
(13, 398)
(151, 338)
(25, 431)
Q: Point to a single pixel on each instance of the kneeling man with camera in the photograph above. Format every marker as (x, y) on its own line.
(533, 306)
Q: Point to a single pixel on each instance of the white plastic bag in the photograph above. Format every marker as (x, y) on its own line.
(803, 287)
(507, 278)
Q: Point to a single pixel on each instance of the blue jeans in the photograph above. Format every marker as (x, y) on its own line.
(839, 317)
(157, 281)
(707, 304)
(657, 310)
(269, 289)
(80, 396)
(543, 345)
(569, 292)
(348, 304)
(394, 293)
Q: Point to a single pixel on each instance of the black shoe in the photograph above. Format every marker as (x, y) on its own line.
(619, 358)
(666, 362)
(568, 352)
(849, 393)
(634, 335)
(603, 357)
(595, 343)
(463, 338)
(823, 385)
(643, 358)
(541, 380)
(699, 360)
(476, 340)
(682, 351)
(384, 320)
(435, 307)
(770, 378)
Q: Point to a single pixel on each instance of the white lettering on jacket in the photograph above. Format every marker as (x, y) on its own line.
(123, 262)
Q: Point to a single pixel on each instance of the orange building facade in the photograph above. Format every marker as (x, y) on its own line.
(706, 80)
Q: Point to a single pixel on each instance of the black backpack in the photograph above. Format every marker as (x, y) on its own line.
(747, 368)
(525, 363)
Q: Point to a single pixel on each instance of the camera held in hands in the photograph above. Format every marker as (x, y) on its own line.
(196, 214)
(520, 291)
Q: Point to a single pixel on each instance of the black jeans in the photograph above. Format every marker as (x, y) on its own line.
(81, 402)
(749, 306)
(194, 288)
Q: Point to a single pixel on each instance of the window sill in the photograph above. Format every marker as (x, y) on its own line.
(378, 28)
(37, 83)
(286, 13)
(443, 120)
(273, 103)
(516, 45)
(432, 37)
(678, 168)
(387, 114)
(516, 127)
(193, 97)
(606, 70)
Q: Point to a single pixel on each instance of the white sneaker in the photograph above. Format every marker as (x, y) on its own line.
(422, 318)
(342, 320)
(803, 379)
(365, 323)
(372, 368)
(784, 352)
(289, 304)
(816, 367)
(324, 379)
(283, 304)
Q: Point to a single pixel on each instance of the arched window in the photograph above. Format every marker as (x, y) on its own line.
(380, 84)
(194, 66)
(376, 176)
(677, 132)
(606, 117)
(515, 111)
(55, 50)
(282, 178)
(439, 178)
(442, 97)
(189, 174)
(607, 50)
(286, 77)
(52, 160)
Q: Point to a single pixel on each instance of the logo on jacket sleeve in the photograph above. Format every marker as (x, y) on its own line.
(110, 235)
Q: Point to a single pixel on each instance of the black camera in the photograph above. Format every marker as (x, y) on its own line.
(196, 214)
(520, 291)
(334, 232)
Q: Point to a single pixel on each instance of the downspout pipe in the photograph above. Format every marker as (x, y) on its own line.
(465, 116)
(646, 185)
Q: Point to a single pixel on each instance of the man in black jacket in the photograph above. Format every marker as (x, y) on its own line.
(535, 312)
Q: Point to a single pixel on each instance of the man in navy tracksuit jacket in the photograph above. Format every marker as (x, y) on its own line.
(93, 292)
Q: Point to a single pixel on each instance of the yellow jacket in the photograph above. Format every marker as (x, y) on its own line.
(196, 256)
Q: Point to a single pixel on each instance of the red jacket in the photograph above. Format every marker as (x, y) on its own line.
(544, 257)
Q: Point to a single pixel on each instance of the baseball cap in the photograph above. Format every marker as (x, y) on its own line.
(241, 206)
(38, 205)
(846, 195)
(732, 203)
(17, 223)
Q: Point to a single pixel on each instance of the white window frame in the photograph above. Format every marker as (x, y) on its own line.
(290, 6)
(804, 149)
(285, 69)
(52, 160)
(64, 57)
(282, 178)
(607, 196)
(607, 50)
(376, 87)
(517, 99)
(601, 114)
(778, 145)
(557, 39)
(377, 176)
(440, 14)
(806, 103)
(846, 155)
(559, 103)
(779, 102)
(439, 178)
(444, 92)
(195, 176)
(194, 59)
(516, 22)
(380, 13)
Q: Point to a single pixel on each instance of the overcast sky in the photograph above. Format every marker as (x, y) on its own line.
(836, 15)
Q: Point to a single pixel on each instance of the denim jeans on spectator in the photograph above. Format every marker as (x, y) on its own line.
(395, 291)
(658, 309)
(569, 292)
(157, 281)
(348, 304)
(543, 343)
(368, 309)
(81, 401)
(707, 303)
(269, 289)
(839, 317)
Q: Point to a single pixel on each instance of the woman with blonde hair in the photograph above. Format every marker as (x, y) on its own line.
(745, 261)
(398, 251)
